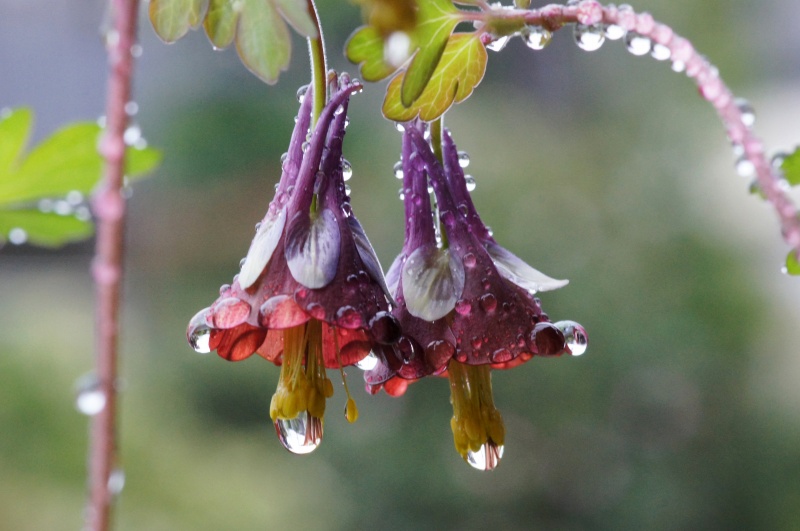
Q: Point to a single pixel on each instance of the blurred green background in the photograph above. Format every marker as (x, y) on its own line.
(601, 167)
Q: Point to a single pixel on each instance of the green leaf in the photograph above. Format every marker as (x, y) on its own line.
(365, 48)
(791, 168)
(47, 229)
(257, 26)
(436, 20)
(460, 69)
(792, 264)
(172, 19)
(15, 129)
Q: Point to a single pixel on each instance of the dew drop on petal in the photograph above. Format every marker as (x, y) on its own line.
(349, 317)
(488, 302)
(398, 170)
(347, 170)
(487, 457)
(301, 93)
(469, 260)
(574, 336)
(660, 52)
(199, 333)
(300, 435)
(638, 44)
(90, 399)
(385, 328)
(401, 194)
(470, 182)
(367, 363)
(537, 37)
(399, 126)
(463, 307)
(589, 38)
(463, 159)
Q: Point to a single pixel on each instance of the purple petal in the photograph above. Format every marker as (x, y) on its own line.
(433, 280)
(368, 256)
(261, 249)
(312, 248)
(516, 270)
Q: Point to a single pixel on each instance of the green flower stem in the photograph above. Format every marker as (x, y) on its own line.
(436, 143)
(319, 66)
(109, 208)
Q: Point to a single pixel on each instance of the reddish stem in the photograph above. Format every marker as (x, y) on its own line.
(109, 208)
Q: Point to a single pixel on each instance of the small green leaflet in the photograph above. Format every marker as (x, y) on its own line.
(258, 27)
(791, 168)
(792, 266)
(459, 71)
(66, 164)
(365, 48)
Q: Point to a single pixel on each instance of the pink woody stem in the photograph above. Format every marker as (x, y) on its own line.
(711, 87)
(109, 208)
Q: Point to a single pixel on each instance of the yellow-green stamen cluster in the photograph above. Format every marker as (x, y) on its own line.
(476, 422)
(303, 385)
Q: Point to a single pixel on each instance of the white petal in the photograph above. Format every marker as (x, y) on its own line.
(312, 249)
(515, 270)
(368, 256)
(433, 281)
(261, 249)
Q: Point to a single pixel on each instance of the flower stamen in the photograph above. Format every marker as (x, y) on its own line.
(350, 409)
(478, 429)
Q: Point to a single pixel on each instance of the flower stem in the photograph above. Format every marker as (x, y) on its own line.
(319, 67)
(109, 208)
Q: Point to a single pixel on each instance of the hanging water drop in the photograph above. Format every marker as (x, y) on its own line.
(401, 194)
(300, 435)
(199, 333)
(400, 127)
(17, 236)
(369, 362)
(347, 170)
(301, 93)
(745, 167)
(347, 190)
(116, 481)
(463, 159)
(132, 134)
(748, 113)
(90, 399)
(487, 457)
(614, 32)
(537, 37)
(469, 180)
(131, 108)
(498, 44)
(574, 336)
(398, 170)
(660, 52)
(589, 38)
(638, 44)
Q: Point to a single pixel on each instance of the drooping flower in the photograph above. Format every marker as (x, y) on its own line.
(311, 293)
(467, 296)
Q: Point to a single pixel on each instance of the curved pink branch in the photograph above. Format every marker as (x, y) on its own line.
(705, 75)
(109, 209)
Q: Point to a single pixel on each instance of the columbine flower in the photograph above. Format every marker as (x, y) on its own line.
(468, 293)
(311, 294)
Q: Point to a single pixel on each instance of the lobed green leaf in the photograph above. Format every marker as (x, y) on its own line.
(791, 168)
(365, 48)
(44, 228)
(172, 19)
(459, 71)
(15, 129)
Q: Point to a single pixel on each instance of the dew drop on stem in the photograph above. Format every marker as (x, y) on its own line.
(90, 398)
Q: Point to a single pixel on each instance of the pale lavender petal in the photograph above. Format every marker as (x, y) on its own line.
(312, 248)
(433, 280)
(516, 270)
(261, 249)
(368, 256)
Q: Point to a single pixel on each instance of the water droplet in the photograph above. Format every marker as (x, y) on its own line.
(116, 481)
(199, 333)
(339, 110)
(385, 328)
(536, 37)
(17, 236)
(589, 38)
(368, 363)
(745, 167)
(488, 302)
(131, 108)
(401, 194)
(347, 170)
(132, 134)
(463, 307)
(678, 66)
(400, 127)
(300, 435)
(469, 260)
(304, 146)
(501, 355)
(136, 50)
(62, 208)
(74, 198)
(396, 48)
(469, 180)
(45, 205)
(498, 44)
(90, 399)
(112, 38)
(748, 113)
(660, 52)
(614, 32)
(448, 218)
(463, 159)
(83, 213)
(638, 44)
(487, 457)
(349, 317)
(301, 93)
(574, 335)
(398, 170)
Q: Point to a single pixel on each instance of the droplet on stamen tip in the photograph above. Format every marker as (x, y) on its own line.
(90, 398)
(300, 435)
(574, 336)
(589, 38)
(638, 44)
(487, 457)
(116, 481)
